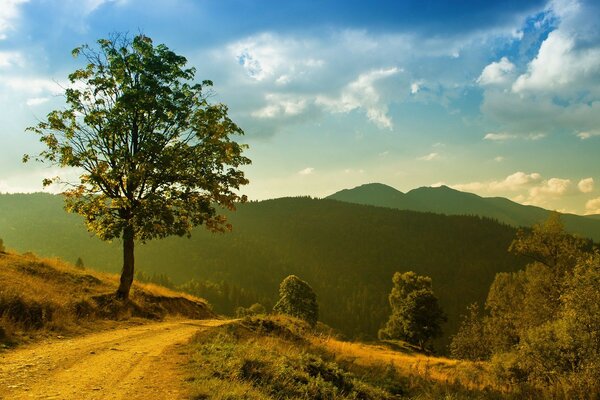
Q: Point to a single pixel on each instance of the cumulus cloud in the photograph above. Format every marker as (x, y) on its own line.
(511, 183)
(496, 73)
(363, 94)
(499, 158)
(558, 88)
(429, 157)
(586, 185)
(9, 14)
(306, 171)
(560, 64)
(527, 188)
(592, 206)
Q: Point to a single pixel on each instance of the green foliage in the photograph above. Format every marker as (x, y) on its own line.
(470, 342)
(228, 364)
(297, 298)
(550, 245)
(254, 309)
(416, 315)
(156, 156)
(543, 323)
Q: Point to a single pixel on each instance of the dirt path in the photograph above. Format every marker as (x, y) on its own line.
(140, 362)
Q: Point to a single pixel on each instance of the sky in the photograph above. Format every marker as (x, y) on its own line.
(494, 98)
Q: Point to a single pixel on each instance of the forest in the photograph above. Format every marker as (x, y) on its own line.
(348, 253)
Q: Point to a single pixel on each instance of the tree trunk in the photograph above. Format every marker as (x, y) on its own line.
(128, 263)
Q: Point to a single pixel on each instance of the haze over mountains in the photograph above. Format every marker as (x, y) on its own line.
(444, 200)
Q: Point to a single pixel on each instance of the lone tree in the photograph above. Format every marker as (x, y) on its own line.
(156, 158)
(297, 299)
(416, 315)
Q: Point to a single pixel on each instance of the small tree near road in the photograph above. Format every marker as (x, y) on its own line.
(156, 158)
(297, 298)
(416, 315)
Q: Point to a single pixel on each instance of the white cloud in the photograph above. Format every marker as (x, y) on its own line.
(11, 58)
(267, 57)
(497, 73)
(36, 101)
(553, 186)
(429, 157)
(560, 63)
(499, 137)
(586, 185)
(499, 158)
(31, 85)
(306, 171)
(9, 13)
(362, 93)
(511, 183)
(281, 105)
(415, 87)
(528, 188)
(587, 134)
(592, 206)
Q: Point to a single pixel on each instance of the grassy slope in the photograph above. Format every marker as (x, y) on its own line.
(41, 297)
(281, 358)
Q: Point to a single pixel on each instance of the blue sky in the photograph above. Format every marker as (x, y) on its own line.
(495, 98)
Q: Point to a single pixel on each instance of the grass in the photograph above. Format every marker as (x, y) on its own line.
(42, 297)
(274, 357)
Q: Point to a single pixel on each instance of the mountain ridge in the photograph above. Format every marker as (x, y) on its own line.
(448, 201)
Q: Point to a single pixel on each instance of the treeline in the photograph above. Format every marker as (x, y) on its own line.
(223, 297)
(541, 325)
(346, 252)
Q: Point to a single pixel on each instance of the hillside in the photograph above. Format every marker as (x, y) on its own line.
(347, 252)
(444, 200)
(46, 297)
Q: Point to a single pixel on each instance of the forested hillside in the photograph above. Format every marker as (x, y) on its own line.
(347, 252)
(445, 200)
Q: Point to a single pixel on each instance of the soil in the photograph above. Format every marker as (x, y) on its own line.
(136, 362)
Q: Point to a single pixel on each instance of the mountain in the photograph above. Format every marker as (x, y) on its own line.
(444, 200)
(347, 252)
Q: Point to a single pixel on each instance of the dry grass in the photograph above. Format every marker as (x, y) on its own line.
(472, 375)
(40, 297)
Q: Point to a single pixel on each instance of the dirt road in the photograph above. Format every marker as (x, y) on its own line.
(140, 362)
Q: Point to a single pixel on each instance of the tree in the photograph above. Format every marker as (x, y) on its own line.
(156, 158)
(79, 263)
(548, 243)
(416, 315)
(297, 298)
(2, 249)
(469, 342)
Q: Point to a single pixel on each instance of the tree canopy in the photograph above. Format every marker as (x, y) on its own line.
(416, 315)
(297, 298)
(155, 157)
